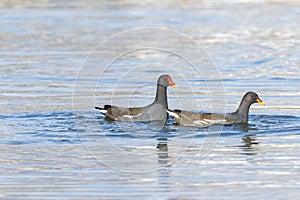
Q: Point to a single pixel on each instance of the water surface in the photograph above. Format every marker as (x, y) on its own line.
(54, 144)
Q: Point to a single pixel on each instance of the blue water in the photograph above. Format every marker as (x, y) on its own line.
(54, 143)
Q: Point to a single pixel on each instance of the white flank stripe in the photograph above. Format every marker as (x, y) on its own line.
(131, 116)
(209, 122)
(200, 122)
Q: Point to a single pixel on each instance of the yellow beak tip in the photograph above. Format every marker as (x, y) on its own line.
(262, 103)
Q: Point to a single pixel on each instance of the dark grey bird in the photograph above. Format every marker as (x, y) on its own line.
(156, 111)
(240, 116)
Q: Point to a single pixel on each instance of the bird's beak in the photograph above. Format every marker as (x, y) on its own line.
(258, 100)
(171, 82)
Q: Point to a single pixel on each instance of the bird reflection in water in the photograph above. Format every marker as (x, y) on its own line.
(162, 160)
(162, 151)
(250, 145)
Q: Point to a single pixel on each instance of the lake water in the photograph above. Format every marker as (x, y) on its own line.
(59, 59)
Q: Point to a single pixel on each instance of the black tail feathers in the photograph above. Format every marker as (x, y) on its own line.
(105, 107)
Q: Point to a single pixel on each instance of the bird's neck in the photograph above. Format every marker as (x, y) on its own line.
(161, 96)
(243, 110)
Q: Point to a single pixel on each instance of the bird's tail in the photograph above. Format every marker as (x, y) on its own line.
(173, 113)
(103, 110)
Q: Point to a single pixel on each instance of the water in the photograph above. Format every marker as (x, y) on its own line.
(55, 145)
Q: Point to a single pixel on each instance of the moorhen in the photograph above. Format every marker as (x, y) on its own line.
(156, 111)
(240, 116)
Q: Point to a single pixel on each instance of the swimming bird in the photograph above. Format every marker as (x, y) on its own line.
(240, 116)
(156, 111)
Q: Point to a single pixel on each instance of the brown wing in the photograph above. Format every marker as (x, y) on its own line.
(198, 119)
(135, 111)
(114, 111)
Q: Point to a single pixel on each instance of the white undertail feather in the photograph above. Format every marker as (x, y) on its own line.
(173, 114)
(102, 111)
